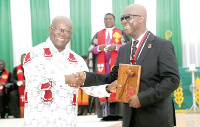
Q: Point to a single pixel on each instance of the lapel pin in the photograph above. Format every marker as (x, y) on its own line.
(149, 46)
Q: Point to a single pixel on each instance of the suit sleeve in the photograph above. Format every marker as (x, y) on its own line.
(94, 79)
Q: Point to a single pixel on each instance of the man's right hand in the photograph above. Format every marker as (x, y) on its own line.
(2, 84)
(101, 47)
(81, 76)
(75, 80)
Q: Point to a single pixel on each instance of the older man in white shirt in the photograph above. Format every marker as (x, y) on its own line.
(49, 101)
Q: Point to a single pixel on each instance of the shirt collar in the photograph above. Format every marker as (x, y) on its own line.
(139, 39)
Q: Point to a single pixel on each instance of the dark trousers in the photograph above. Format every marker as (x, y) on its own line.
(14, 104)
(3, 103)
(134, 122)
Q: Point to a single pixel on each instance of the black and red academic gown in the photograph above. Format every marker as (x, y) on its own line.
(17, 94)
(4, 77)
(20, 77)
(106, 106)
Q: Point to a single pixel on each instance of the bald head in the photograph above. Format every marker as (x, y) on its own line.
(59, 19)
(137, 9)
(134, 20)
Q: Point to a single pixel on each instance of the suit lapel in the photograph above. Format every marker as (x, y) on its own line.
(128, 52)
(147, 47)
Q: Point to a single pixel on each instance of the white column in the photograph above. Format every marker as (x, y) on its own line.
(190, 24)
(98, 10)
(59, 8)
(21, 28)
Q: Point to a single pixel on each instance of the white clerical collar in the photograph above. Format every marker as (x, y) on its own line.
(109, 30)
(139, 39)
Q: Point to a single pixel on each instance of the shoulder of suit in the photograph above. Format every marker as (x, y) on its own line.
(160, 41)
(128, 44)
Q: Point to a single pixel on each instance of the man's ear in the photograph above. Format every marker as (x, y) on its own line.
(141, 19)
(49, 29)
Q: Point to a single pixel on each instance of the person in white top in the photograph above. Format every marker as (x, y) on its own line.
(49, 100)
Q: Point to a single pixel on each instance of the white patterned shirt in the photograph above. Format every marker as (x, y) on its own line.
(49, 102)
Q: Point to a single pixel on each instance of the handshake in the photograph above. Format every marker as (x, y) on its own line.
(75, 80)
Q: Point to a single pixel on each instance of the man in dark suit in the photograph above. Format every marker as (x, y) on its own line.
(153, 105)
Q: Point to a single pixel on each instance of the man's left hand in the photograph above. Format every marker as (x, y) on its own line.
(134, 101)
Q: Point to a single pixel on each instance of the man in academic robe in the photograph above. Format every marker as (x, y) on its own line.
(17, 94)
(5, 76)
(102, 55)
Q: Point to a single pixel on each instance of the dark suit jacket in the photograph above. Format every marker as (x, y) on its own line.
(159, 78)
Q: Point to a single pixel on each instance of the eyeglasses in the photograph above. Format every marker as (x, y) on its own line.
(127, 16)
(59, 30)
(1, 65)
